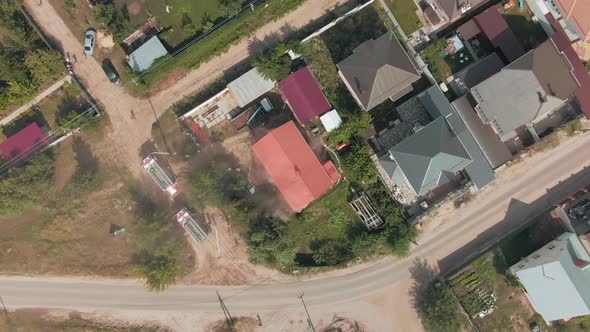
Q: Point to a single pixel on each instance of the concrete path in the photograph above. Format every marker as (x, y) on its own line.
(35, 100)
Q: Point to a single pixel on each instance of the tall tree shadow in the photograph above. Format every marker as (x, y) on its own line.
(87, 162)
(423, 274)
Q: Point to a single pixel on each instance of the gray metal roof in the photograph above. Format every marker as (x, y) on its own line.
(437, 104)
(431, 156)
(494, 150)
(479, 71)
(249, 87)
(378, 69)
(557, 278)
(145, 55)
(526, 90)
(426, 155)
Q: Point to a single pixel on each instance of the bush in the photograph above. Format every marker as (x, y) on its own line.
(26, 186)
(358, 166)
(269, 243)
(438, 310)
(274, 63)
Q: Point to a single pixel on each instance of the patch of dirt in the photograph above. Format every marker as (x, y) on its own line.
(222, 259)
(243, 324)
(104, 40)
(134, 8)
(169, 80)
(341, 324)
(239, 145)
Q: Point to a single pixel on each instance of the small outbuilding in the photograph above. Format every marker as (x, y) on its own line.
(249, 87)
(145, 55)
(331, 120)
(303, 94)
(24, 143)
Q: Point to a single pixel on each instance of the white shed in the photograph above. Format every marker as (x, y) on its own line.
(331, 120)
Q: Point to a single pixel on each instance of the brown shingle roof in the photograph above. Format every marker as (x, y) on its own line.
(378, 69)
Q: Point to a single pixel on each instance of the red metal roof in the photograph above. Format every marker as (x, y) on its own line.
(495, 28)
(564, 45)
(331, 170)
(23, 143)
(292, 166)
(303, 94)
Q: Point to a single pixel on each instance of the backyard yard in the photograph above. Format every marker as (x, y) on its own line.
(181, 19)
(441, 63)
(405, 13)
(529, 33)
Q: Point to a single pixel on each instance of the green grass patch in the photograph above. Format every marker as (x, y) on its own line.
(405, 13)
(222, 39)
(329, 217)
(185, 18)
(433, 55)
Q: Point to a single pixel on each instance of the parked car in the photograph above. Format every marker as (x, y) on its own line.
(109, 69)
(579, 209)
(89, 38)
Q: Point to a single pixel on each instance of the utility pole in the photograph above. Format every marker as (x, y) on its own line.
(228, 319)
(309, 321)
(3, 306)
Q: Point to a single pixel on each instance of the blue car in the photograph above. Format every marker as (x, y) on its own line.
(89, 38)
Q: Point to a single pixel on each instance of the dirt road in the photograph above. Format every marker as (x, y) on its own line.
(132, 117)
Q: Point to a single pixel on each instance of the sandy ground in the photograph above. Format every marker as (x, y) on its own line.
(128, 133)
(222, 259)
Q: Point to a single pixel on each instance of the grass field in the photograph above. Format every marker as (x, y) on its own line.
(327, 218)
(405, 13)
(181, 12)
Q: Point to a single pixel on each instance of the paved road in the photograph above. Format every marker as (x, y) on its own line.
(526, 181)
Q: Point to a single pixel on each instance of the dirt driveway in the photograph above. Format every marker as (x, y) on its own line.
(131, 117)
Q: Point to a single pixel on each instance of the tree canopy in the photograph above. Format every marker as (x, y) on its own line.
(437, 309)
(275, 63)
(25, 186)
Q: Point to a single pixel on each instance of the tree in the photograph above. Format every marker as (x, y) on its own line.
(331, 252)
(73, 120)
(359, 166)
(269, 242)
(45, 66)
(437, 309)
(230, 7)
(159, 271)
(272, 64)
(355, 123)
(115, 21)
(25, 186)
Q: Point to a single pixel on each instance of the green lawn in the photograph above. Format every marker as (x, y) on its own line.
(405, 13)
(182, 12)
(219, 41)
(329, 217)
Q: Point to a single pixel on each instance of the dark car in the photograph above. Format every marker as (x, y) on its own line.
(579, 209)
(109, 69)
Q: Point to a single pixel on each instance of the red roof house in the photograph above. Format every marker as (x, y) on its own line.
(293, 167)
(304, 95)
(495, 28)
(23, 143)
(564, 45)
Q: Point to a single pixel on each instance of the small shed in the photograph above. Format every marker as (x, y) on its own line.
(145, 55)
(24, 143)
(249, 87)
(303, 94)
(331, 120)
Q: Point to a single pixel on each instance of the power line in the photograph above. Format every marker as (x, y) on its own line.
(36, 145)
(309, 321)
